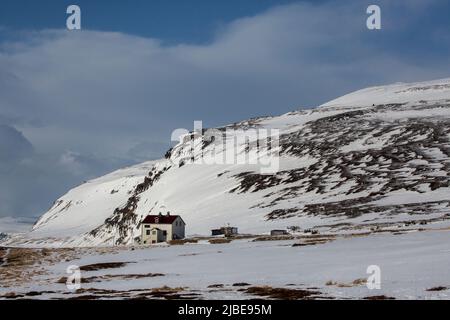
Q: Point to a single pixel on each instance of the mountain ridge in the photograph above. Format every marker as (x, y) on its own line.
(375, 157)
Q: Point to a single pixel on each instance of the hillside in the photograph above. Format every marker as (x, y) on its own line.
(378, 157)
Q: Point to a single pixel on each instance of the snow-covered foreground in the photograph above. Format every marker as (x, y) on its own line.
(411, 263)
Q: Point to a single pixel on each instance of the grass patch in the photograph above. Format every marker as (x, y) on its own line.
(178, 242)
(274, 238)
(241, 284)
(104, 265)
(168, 293)
(354, 283)
(219, 240)
(282, 293)
(381, 297)
(440, 288)
(109, 277)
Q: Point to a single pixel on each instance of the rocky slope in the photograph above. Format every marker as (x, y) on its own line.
(378, 157)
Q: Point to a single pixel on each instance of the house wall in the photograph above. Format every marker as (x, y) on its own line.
(278, 232)
(145, 239)
(164, 227)
(177, 228)
(157, 236)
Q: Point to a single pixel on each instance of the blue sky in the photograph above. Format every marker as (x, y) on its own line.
(171, 21)
(77, 104)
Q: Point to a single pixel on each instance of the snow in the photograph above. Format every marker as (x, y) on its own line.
(436, 90)
(410, 264)
(392, 116)
(408, 197)
(369, 142)
(87, 206)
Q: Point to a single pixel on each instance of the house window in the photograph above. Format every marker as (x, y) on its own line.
(148, 232)
(164, 233)
(154, 232)
(147, 226)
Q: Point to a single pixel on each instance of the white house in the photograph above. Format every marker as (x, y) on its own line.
(161, 228)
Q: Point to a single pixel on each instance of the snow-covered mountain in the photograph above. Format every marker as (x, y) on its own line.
(378, 156)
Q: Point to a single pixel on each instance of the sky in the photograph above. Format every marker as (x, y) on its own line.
(77, 104)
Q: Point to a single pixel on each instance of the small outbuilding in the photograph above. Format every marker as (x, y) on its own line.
(226, 231)
(278, 232)
(162, 228)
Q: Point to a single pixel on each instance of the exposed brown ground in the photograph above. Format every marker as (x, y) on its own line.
(354, 283)
(382, 297)
(283, 293)
(19, 266)
(101, 266)
(23, 264)
(440, 288)
(219, 240)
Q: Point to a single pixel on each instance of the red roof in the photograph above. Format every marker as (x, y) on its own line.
(159, 219)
